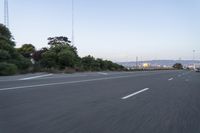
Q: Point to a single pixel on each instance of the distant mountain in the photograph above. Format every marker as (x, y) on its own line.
(160, 62)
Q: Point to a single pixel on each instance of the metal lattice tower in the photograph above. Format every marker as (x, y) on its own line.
(72, 22)
(6, 13)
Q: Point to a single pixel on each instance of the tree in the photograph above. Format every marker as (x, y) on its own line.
(58, 40)
(66, 58)
(88, 62)
(4, 55)
(92, 64)
(10, 59)
(26, 50)
(5, 34)
(7, 69)
(178, 66)
(37, 55)
(6, 39)
(49, 59)
(60, 54)
(57, 44)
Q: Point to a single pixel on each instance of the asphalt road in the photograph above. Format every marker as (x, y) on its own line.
(106, 102)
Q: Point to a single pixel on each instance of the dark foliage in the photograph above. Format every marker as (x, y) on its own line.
(7, 69)
(61, 55)
(178, 66)
(11, 60)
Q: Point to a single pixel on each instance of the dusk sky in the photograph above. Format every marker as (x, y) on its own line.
(118, 30)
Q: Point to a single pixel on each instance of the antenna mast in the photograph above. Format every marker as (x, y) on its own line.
(6, 13)
(72, 22)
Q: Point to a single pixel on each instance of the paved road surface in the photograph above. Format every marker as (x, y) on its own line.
(113, 102)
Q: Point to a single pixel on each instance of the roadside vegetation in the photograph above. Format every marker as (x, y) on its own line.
(178, 66)
(59, 56)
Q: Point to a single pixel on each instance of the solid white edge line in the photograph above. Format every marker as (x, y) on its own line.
(34, 77)
(133, 94)
(66, 76)
(62, 83)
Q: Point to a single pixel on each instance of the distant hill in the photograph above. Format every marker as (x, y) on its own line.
(161, 62)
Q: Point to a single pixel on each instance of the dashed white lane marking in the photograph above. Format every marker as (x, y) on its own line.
(170, 79)
(102, 73)
(73, 82)
(133, 94)
(40, 76)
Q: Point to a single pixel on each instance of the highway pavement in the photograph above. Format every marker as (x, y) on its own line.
(101, 102)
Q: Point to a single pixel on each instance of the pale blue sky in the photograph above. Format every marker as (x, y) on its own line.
(118, 30)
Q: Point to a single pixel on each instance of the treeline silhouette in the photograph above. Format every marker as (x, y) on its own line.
(60, 56)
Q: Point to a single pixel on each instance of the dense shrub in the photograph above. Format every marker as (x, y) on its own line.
(21, 63)
(7, 69)
(11, 60)
(66, 58)
(26, 50)
(49, 59)
(24, 64)
(91, 64)
(4, 55)
(178, 66)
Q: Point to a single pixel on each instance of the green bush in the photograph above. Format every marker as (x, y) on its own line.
(178, 66)
(49, 59)
(7, 69)
(22, 63)
(66, 58)
(4, 55)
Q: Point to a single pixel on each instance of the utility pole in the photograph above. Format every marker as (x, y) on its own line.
(137, 62)
(6, 13)
(194, 57)
(179, 58)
